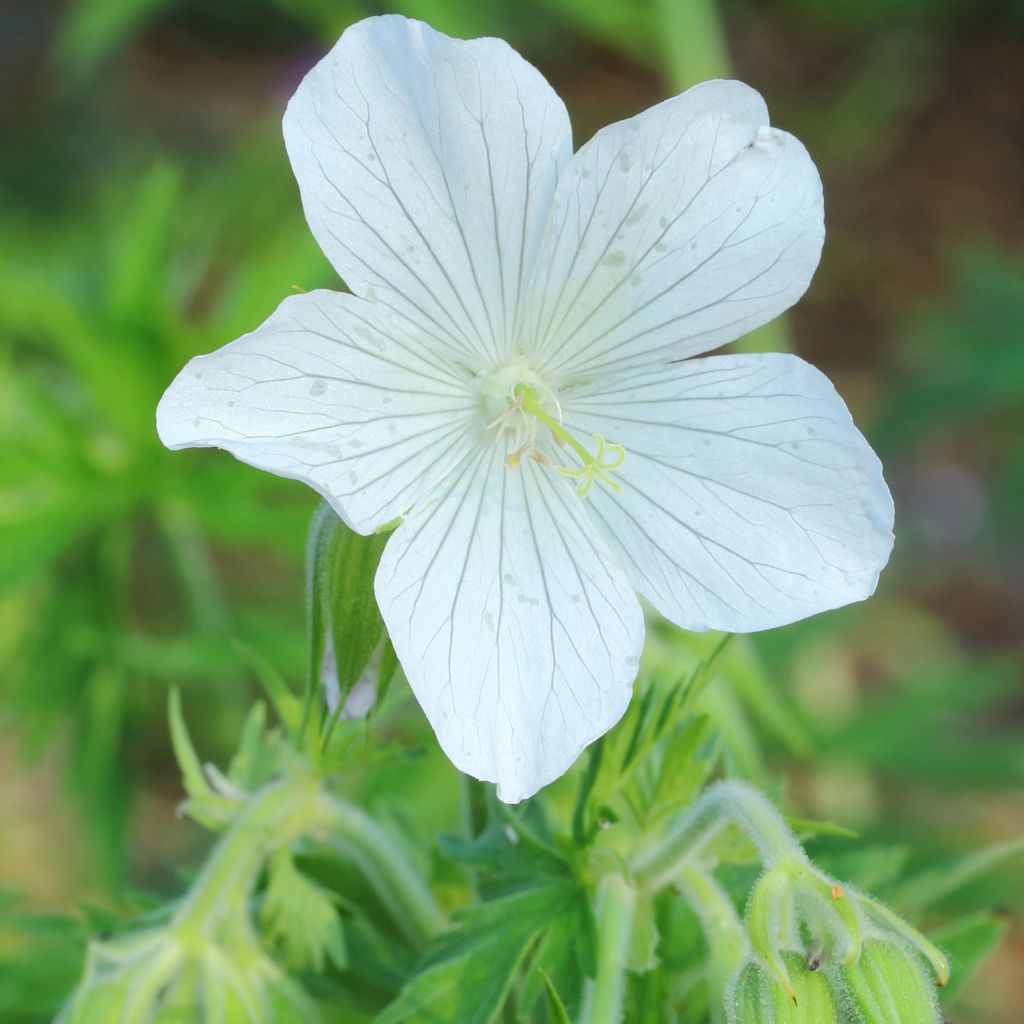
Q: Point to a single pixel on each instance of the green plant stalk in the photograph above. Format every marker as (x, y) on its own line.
(695, 49)
(276, 815)
(726, 802)
(725, 934)
(280, 814)
(395, 881)
(615, 907)
(694, 43)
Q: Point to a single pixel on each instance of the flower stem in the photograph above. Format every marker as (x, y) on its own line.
(275, 815)
(722, 804)
(615, 906)
(694, 42)
(395, 881)
(725, 934)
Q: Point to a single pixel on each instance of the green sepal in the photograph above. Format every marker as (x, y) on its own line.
(344, 618)
(768, 922)
(758, 998)
(887, 985)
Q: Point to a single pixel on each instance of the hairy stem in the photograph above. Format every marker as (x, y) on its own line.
(395, 881)
(615, 906)
(723, 804)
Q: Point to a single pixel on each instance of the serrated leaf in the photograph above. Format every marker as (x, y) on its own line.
(301, 918)
(566, 955)
(681, 772)
(468, 974)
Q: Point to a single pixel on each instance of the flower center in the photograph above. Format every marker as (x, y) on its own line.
(517, 401)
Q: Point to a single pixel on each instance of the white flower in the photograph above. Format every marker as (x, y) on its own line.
(507, 376)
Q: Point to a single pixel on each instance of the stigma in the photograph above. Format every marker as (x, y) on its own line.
(521, 406)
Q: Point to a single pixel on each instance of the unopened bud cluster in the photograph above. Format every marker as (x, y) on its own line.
(824, 952)
(810, 949)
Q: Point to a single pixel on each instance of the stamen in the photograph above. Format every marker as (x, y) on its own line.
(514, 458)
(597, 466)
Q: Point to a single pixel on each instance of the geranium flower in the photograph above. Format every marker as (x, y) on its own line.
(511, 375)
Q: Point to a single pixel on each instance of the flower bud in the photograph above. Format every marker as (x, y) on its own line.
(888, 985)
(758, 998)
(792, 897)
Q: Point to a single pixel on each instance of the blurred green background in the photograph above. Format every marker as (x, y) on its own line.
(147, 213)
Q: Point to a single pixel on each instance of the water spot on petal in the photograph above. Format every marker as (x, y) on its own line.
(614, 259)
(318, 387)
(353, 477)
(489, 621)
(509, 578)
(624, 162)
(635, 216)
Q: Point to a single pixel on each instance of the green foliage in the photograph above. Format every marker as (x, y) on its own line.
(126, 572)
(108, 540)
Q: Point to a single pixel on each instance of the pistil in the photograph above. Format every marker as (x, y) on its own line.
(598, 466)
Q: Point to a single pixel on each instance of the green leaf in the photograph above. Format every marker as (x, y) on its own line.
(286, 704)
(935, 884)
(566, 956)
(809, 827)
(557, 1012)
(967, 942)
(300, 917)
(468, 975)
(193, 776)
(205, 804)
(94, 29)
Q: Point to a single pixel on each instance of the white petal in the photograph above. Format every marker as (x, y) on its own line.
(514, 622)
(750, 499)
(675, 232)
(427, 166)
(328, 391)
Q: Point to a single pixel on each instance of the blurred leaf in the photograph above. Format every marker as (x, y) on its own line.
(935, 884)
(94, 29)
(967, 942)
